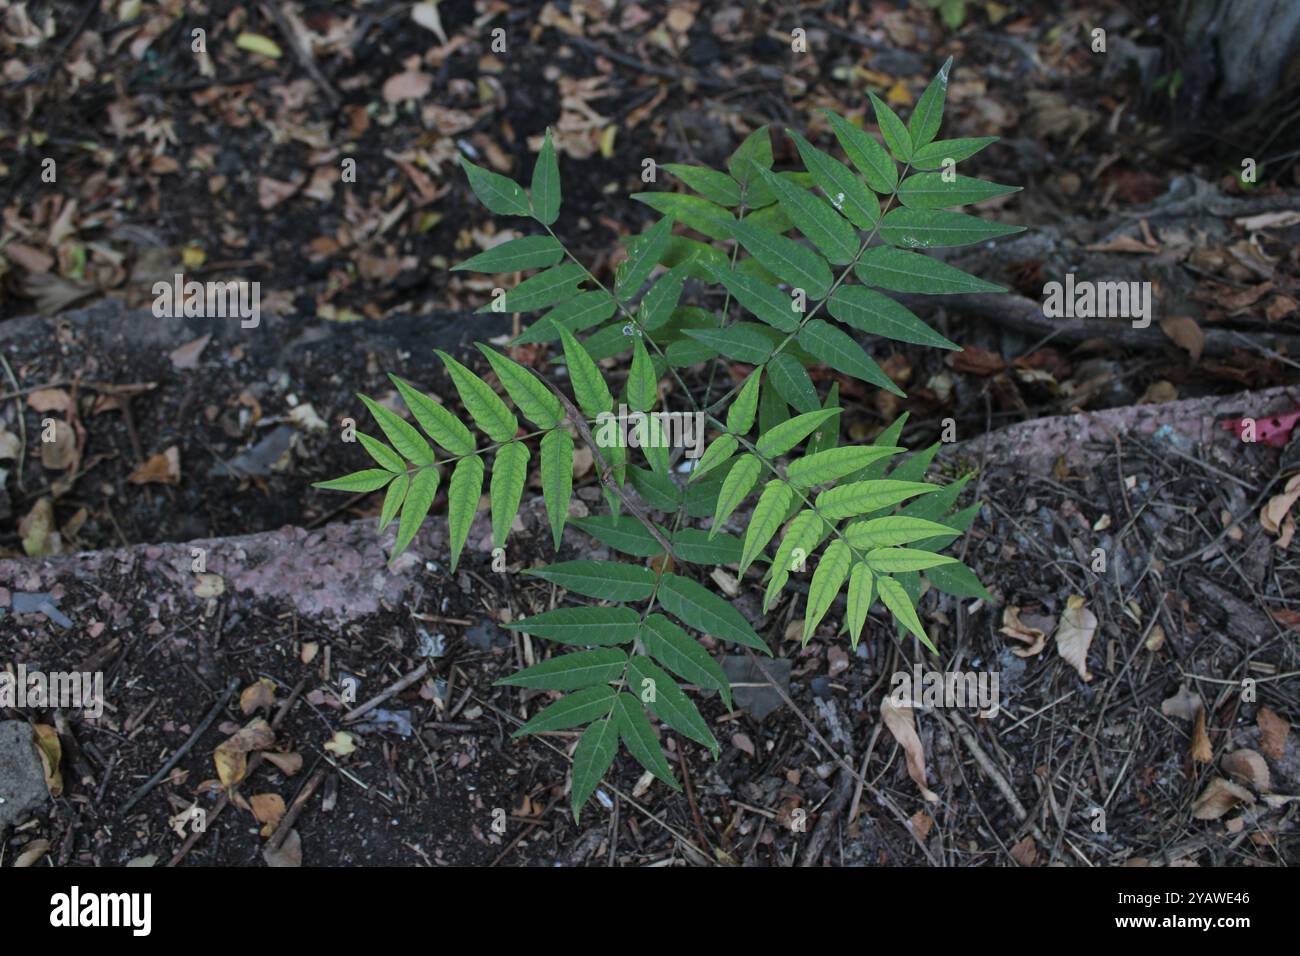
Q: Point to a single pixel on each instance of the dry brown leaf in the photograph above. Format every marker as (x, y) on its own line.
(289, 764)
(1273, 732)
(408, 85)
(922, 823)
(1074, 635)
(1185, 333)
(268, 810)
(272, 192)
(260, 695)
(289, 854)
(1202, 750)
(163, 468)
(341, 743)
(1272, 517)
(231, 756)
(1218, 798)
(209, 585)
(32, 854)
(1248, 767)
(1025, 852)
(902, 724)
(49, 400)
(1184, 705)
(51, 751)
(187, 355)
(60, 454)
(1014, 627)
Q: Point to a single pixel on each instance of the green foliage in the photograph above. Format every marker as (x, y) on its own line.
(808, 257)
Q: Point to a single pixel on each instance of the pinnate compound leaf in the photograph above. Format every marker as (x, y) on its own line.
(571, 671)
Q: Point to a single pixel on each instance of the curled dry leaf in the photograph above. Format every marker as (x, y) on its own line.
(268, 810)
(288, 764)
(231, 756)
(258, 696)
(1248, 767)
(163, 468)
(1273, 732)
(1184, 705)
(1276, 518)
(1013, 626)
(1186, 334)
(1202, 751)
(1075, 633)
(51, 751)
(1218, 798)
(902, 725)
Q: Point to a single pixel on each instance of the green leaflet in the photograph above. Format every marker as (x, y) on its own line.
(557, 479)
(863, 497)
(594, 755)
(579, 313)
(766, 302)
(642, 383)
(589, 386)
(769, 514)
(902, 271)
(483, 404)
(877, 314)
(643, 255)
(571, 671)
(384, 456)
(712, 185)
(697, 546)
(936, 228)
(634, 727)
(541, 291)
(652, 685)
(592, 626)
(924, 121)
(862, 592)
(438, 423)
(931, 191)
(408, 442)
(892, 129)
(834, 464)
(801, 537)
(546, 184)
(509, 474)
(699, 214)
(605, 580)
(735, 488)
(866, 154)
(841, 186)
(622, 533)
(515, 255)
(503, 196)
(746, 163)
(371, 479)
(832, 569)
(958, 580)
(787, 375)
(393, 500)
(890, 531)
(797, 265)
(700, 608)
(674, 649)
(827, 434)
(841, 352)
(816, 219)
(571, 711)
(899, 604)
(740, 342)
(529, 392)
(898, 560)
(657, 306)
(722, 448)
(740, 416)
(933, 155)
(783, 437)
(462, 502)
(419, 498)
